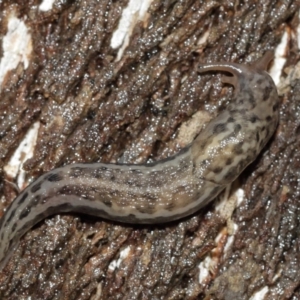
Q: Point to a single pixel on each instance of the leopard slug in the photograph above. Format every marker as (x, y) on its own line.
(166, 190)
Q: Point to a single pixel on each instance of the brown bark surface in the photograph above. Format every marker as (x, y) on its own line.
(93, 107)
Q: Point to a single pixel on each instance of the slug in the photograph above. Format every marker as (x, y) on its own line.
(166, 190)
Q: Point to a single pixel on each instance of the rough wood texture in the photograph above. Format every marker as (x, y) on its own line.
(93, 107)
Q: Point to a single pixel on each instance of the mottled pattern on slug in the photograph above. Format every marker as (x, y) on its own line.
(166, 190)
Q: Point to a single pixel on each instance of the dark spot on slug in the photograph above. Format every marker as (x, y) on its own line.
(170, 206)
(217, 170)
(241, 101)
(259, 81)
(114, 193)
(237, 128)
(11, 242)
(146, 209)
(231, 174)
(240, 111)
(14, 227)
(262, 143)
(240, 166)
(36, 187)
(23, 198)
(275, 107)
(184, 165)
(267, 92)
(257, 136)
(130, 218)
(203, 144)
(253, 118)
(237, 149)
(138, 172)
(97, 174)
(230, 120)
(10, 217)
(54, 177)
(219, 128)
(150, 196)
(203, 163)
(250, 98)
(268, 118)
(251, 76)
(76, 172)
(229, 161)
(25, 213)
(37, 198)
(248, 160)
(68, 190)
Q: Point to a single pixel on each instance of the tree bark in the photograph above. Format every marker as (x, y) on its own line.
(92, 103)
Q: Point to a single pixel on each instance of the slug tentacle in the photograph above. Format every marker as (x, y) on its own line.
(166, 190)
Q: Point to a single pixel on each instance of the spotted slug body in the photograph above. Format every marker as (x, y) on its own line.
(166, 190)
